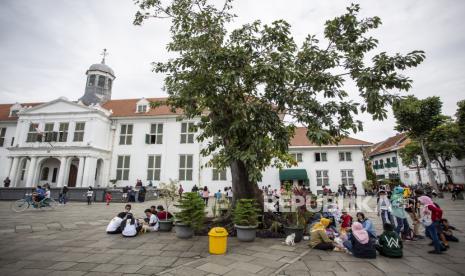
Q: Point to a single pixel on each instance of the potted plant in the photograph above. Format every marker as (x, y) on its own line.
(167, 192)
(295, 218)
(245, 219)
(191, 215)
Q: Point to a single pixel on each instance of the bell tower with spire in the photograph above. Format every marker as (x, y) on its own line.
(99, 82)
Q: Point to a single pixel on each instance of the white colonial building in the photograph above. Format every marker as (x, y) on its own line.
(387, 164)
(97, 141)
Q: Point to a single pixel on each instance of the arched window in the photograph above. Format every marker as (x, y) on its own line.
(101, 81)
(91, 81)
(44, 174)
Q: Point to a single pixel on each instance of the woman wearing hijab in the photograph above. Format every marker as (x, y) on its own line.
(367, 224)
(361, 244)
(318, 238)
(398, 211)
(430, 217)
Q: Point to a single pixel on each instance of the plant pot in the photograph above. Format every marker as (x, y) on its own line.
(298, 230)
(246, 233)
(183, 231)
(165, 225)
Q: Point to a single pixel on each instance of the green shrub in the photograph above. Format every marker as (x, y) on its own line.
(245, 212)
(192, 210)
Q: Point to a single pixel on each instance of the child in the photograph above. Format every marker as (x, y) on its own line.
(384, 207)
(152, 220)
(114, 227)
(108, 197)
(346, 221)
(447, 231)
(90, 194)
(389, 243)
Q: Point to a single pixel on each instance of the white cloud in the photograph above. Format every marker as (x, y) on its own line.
(46, 47)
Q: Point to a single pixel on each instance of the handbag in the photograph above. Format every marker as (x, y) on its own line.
(426, 219)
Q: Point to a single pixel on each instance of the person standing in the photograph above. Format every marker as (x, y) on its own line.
(180, 191)
(89, 194)
(205, 195)
(63, 195)
(398, 211)
(431, 216)
(124, 197)
(108, 197)
(384, 208)
(6, 182)
(229, 194)
(141, 195)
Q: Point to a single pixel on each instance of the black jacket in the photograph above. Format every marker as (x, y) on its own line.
(365, 251)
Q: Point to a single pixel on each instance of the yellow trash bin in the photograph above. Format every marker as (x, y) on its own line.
(218, 240)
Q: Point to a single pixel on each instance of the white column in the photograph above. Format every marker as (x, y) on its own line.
(10, 163)
(31, 171)
(61, 172)
(13, 171)
(89, 172)
(67, 168)
(80, 171)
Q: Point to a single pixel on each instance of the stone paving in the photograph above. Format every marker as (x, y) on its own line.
(72, 241)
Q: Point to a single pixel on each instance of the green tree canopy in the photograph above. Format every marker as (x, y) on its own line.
(242, 82)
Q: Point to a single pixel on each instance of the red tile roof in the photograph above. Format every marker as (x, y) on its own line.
(127, 108)
(390, 144)
(5, 111)
(300, 140)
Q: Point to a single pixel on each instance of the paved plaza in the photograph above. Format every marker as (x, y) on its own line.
(72, 241)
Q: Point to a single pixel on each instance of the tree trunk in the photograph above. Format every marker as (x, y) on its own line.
(419, 174)
(241, 186)
(443, 166)
(432, 180)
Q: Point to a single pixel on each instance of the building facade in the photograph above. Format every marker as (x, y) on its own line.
(387, 164)
(102, 142)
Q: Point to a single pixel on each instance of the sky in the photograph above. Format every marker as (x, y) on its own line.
(46, 46)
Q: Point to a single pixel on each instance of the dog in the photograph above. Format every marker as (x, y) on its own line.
(145, 226)
(290, 240)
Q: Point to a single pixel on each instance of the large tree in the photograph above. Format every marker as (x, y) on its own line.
(242, 82)
(441, 145)
(418, 118)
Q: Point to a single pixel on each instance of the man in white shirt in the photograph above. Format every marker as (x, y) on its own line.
(152, 220)
(114, 227)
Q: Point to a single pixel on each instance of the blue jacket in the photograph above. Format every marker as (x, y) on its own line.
(369, 227)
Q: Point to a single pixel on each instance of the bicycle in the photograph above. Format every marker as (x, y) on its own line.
(25, 203)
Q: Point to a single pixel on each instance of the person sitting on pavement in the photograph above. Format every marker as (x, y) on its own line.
(114, 227)
(129, 226)
(318, 238)
(447, 230)
(359, 243)
(153, 209)
(367, 224)
(389, 243)
(151, 220)
(162, 214)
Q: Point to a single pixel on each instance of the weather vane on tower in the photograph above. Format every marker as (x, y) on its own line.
(104, 54)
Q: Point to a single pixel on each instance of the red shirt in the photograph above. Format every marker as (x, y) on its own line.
(163, 215)
(436, 213)
(346, 221)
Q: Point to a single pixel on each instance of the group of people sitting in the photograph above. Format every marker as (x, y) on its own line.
(126, 224)
(360, 239)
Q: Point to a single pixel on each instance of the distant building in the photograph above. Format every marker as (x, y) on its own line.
(387, 164)
(97, 141)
